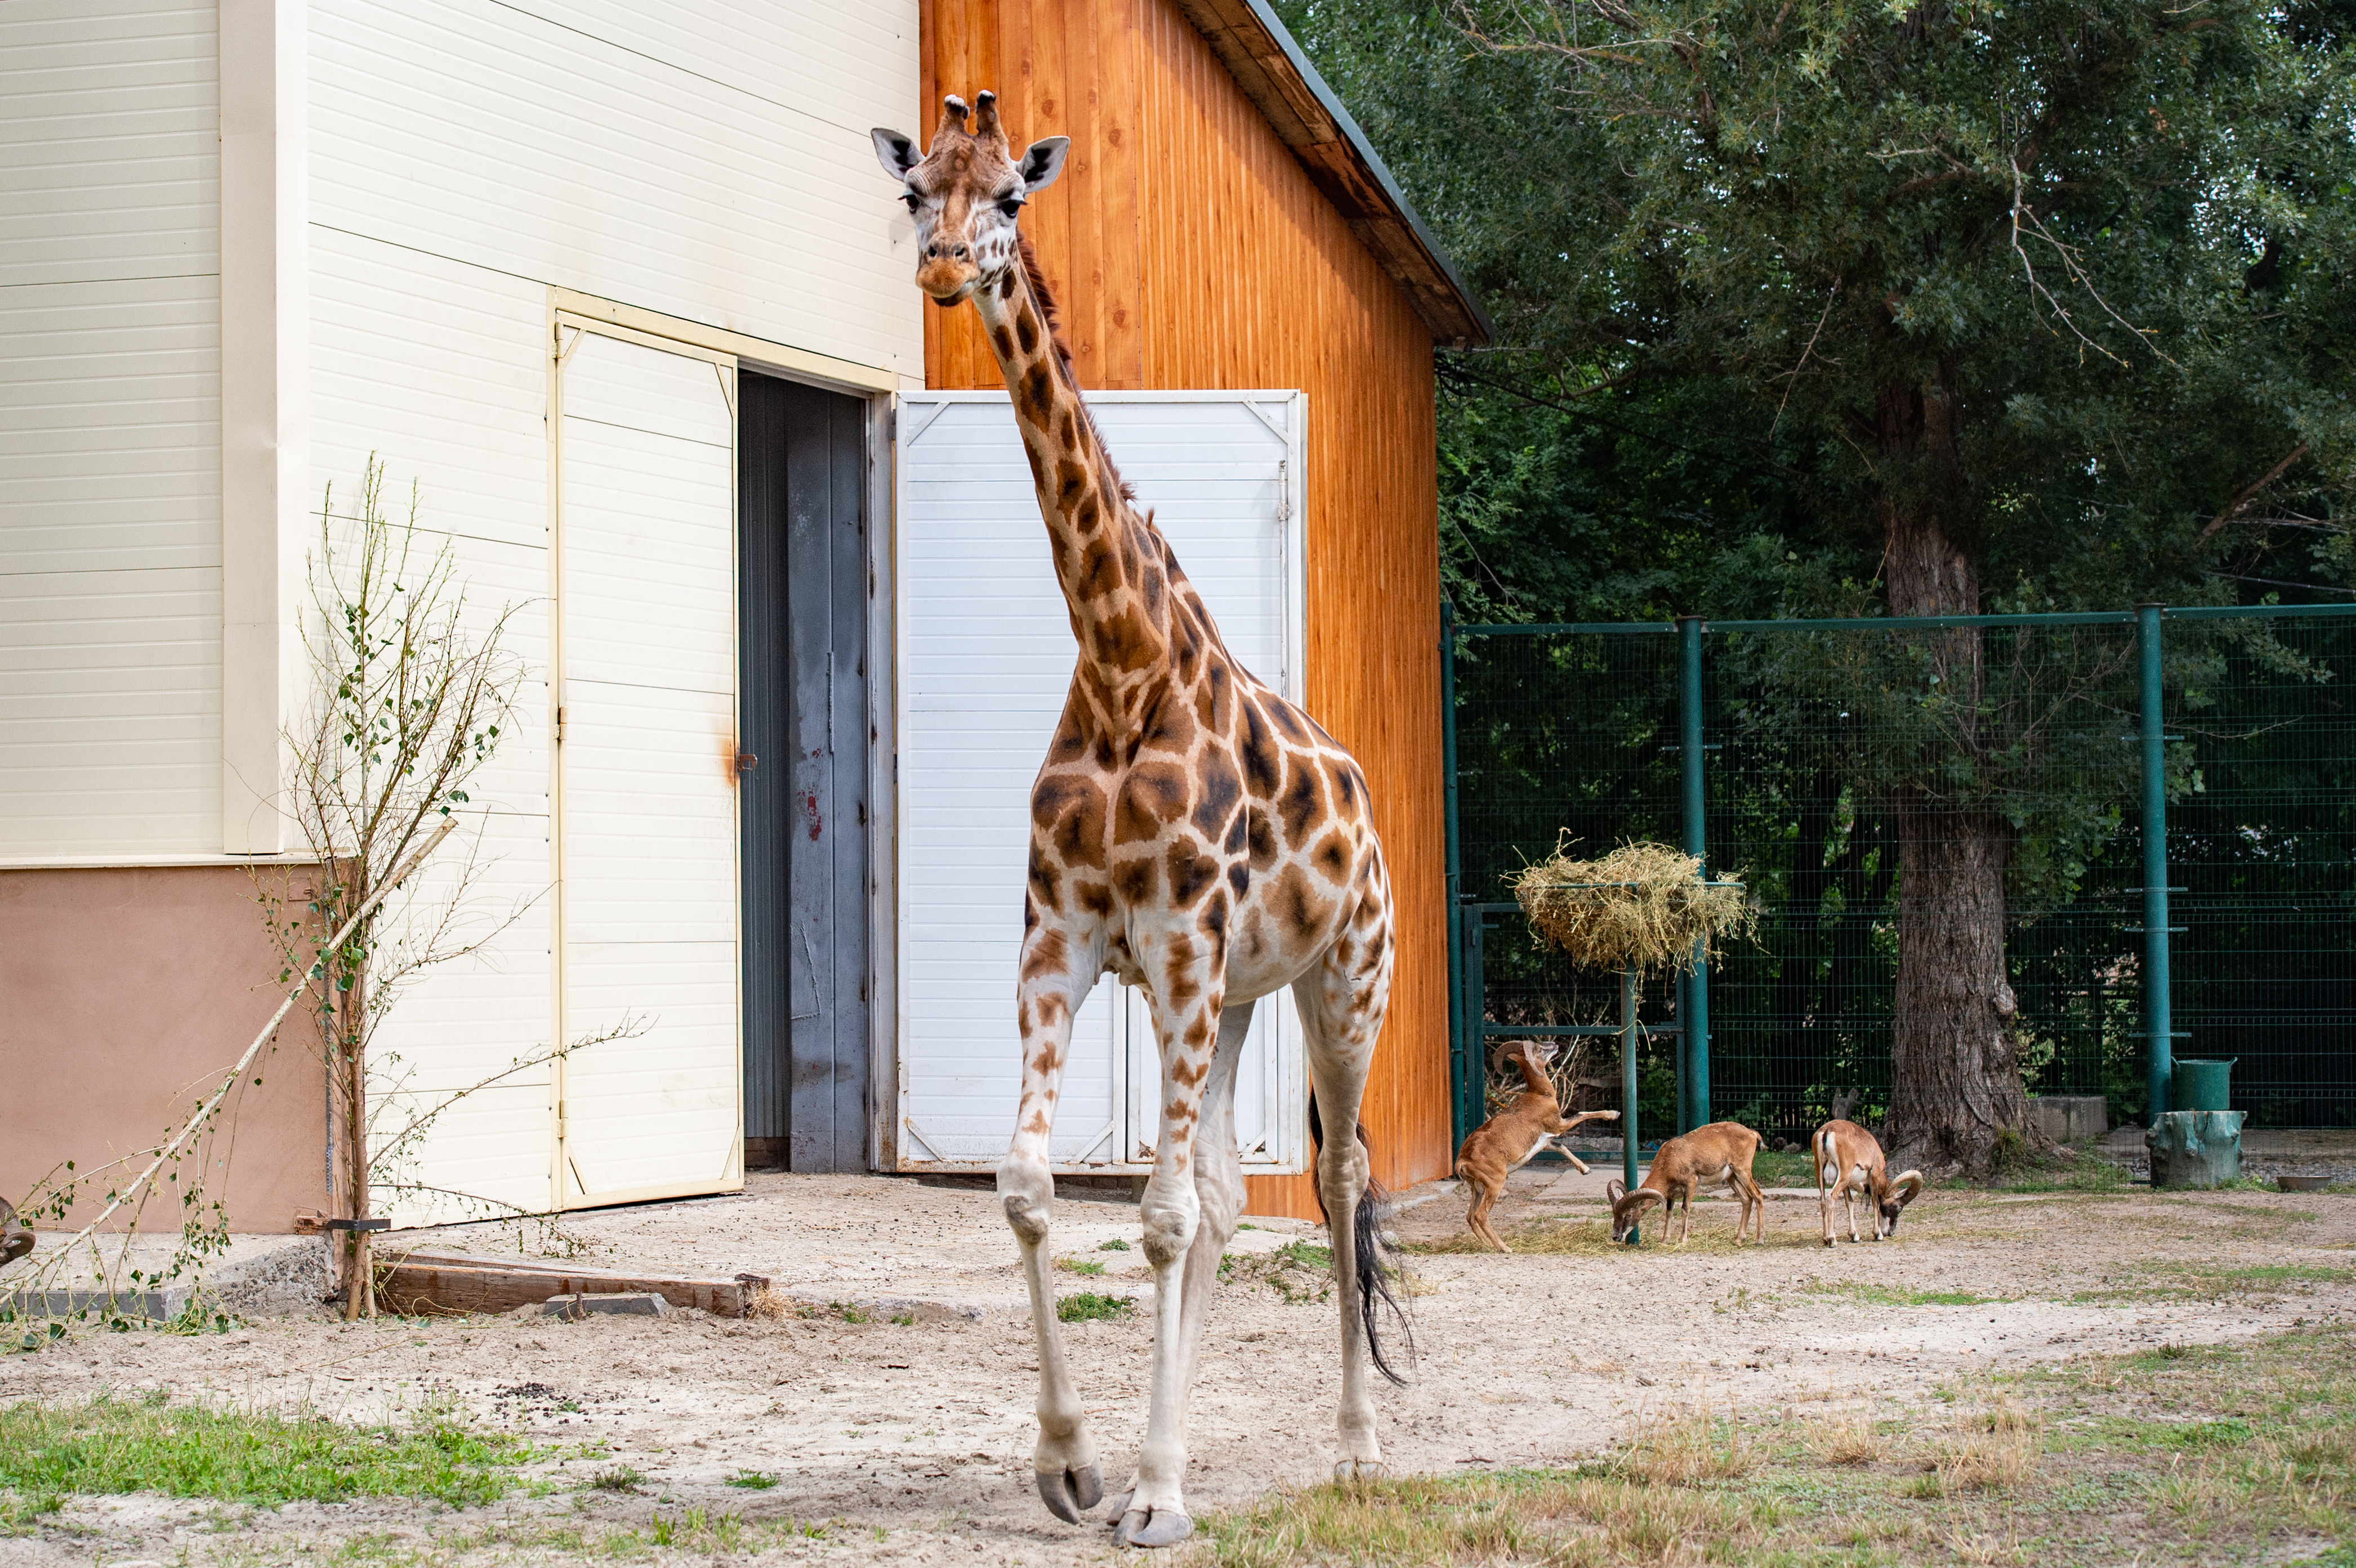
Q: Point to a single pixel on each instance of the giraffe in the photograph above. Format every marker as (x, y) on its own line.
(1191, 833)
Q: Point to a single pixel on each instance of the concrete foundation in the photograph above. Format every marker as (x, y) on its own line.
(2069, 1118)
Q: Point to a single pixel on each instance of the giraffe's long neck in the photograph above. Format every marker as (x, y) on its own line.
(1107, 559)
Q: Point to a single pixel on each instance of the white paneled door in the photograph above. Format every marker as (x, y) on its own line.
(646, 840)
(985, 657)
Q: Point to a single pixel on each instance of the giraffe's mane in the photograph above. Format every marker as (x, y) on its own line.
(1035, 276)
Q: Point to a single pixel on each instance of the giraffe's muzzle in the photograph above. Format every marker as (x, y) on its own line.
(947, 272)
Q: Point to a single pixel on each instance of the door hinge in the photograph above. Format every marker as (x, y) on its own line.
(560, 726)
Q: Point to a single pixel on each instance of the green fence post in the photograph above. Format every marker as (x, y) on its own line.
(2156, 1022)
(1453, 877)
(1472, 1099)
(1693, 1045)
(1627, 1081)
(1683, 995)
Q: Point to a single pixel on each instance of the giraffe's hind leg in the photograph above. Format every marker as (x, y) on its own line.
(1219, 1187)
(1341, 1002)
(1070, 1483)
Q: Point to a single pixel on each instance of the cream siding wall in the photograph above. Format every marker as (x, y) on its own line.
(110, 431)
(704, 160)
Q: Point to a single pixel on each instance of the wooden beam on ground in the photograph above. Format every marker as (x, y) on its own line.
(443, 1284)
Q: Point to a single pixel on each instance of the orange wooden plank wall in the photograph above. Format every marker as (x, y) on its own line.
(1189, 250)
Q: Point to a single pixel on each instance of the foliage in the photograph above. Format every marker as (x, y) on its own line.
(1713, 233)
(1817, 309)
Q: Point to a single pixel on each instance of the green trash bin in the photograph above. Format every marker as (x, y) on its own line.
(2195, 1084)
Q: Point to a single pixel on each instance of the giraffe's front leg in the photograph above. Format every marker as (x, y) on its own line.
(1186, 1008)
(1066, 1459)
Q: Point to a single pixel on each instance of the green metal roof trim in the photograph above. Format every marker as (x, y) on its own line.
(1306, 115)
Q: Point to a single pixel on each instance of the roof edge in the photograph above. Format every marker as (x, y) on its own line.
(1307, 116)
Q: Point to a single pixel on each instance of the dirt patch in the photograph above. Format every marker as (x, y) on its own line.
(894, 1393)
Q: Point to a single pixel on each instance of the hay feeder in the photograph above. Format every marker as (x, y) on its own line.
(1642, 909)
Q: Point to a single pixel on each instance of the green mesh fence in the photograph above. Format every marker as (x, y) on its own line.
(1836, 753)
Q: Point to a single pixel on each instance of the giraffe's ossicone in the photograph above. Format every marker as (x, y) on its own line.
(1191, 833)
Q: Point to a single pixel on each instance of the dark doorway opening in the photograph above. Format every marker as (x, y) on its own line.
(802, 486)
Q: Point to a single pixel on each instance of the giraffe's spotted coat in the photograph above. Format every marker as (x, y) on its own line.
(1192, 832)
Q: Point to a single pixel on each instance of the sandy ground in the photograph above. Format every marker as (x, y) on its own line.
(922, 1430)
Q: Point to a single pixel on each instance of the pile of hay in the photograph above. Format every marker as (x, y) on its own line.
(1641, 907)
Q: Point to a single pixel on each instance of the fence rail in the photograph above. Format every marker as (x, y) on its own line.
(1810, 758)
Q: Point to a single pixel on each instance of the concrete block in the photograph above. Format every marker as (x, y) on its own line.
(624, 1304)
(161, 1306)
(2195, 1148)
(2070, 1118)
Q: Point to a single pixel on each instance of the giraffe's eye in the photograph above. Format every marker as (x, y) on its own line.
(913, 199)
(1012, 205)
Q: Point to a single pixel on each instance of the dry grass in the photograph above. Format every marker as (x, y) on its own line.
(1536, 1237)
(1427, 1521)
(1683, 1447)
(1641, 907)
(768, 1306)
(1988, 1450)
(1845, 1439)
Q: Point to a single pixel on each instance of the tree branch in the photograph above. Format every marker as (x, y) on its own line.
(2249, 493)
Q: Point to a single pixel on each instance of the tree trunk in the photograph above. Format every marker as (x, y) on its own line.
(359, 1284)
(1954, 1082)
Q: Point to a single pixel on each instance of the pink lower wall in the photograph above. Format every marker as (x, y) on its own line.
(126, 995)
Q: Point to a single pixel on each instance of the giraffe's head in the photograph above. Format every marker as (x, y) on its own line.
(966, 195)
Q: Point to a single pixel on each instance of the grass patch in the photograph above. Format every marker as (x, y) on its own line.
(1079, 1266)
(617, 1478)
(845, 1311)
(2168, 1281)
(1087, 1307)
(1118, 1245)
(1296, 1271)
(146, 1444)
(2204, 1455)
(1770, 1167)
(752, 1480)
(1887, 1295)
(2066, 1169)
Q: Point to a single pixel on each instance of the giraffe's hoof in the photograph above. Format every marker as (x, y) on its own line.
(1358, 1470)
(1152, 1526)
(1069, 1494)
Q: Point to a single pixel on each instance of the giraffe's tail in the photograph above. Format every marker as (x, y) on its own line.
(1375, 1270)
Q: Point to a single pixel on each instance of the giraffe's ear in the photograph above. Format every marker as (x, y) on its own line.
(897, 153)
(1042, 162)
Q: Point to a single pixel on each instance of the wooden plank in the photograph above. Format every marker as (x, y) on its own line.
(430, 1283)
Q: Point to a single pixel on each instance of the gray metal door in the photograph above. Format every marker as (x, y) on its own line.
(802, 481)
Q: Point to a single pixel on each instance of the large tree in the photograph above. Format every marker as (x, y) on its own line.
(2039, 304)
